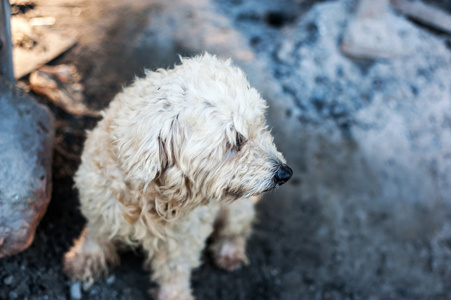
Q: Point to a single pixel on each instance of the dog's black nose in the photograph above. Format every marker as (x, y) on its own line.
(283, 174)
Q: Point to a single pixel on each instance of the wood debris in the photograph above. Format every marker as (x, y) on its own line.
(61, 85)
(21, 2)
(34, 46)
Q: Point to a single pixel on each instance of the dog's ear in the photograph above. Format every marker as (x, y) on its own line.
(147, 154)
(141, 150)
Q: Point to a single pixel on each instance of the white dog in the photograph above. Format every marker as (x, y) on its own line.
(180, 155)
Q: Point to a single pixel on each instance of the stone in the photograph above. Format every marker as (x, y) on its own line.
(8, 280)
(26, 143)
(75, 291)
(110, 280)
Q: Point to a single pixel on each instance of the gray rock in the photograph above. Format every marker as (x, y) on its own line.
(26, 140)
(13, 295)
(75, 290)
(110, 280)
(8, 280)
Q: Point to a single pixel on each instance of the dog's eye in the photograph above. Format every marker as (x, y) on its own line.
(240, 140)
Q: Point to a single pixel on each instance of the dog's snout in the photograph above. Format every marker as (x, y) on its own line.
(283, 174)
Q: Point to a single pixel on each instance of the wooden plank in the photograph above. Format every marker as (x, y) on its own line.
(21, 2)
(62, 3)
(35, 46)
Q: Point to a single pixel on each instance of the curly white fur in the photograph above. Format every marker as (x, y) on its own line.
(180, 153)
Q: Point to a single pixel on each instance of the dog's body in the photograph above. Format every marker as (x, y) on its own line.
(179, 155)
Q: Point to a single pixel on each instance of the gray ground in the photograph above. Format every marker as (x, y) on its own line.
(367, 213)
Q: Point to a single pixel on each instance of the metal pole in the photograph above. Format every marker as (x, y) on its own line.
(6, 55)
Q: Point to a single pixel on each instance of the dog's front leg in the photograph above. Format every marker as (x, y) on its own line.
(89, 256)
(173, 258)
(232, 228)
(174, 282)
(171, 266)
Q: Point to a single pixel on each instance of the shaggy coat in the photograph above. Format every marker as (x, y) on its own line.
(178, 155)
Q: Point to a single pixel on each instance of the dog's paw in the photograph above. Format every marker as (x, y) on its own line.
(82, 266)
(229, 254)
(88, 258)
(76, 267)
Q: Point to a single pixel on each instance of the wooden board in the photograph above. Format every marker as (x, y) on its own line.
(34, 46)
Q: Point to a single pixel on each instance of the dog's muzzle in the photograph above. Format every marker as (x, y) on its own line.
(283, 174)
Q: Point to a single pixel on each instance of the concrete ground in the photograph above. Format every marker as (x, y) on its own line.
(367, 214)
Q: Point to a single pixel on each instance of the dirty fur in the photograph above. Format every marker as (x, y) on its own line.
(179, 155)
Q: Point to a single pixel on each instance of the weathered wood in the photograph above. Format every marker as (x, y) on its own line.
(60, 3)
(426, 14)
(46, 44)
(61, 85)
(21, 2)
(6, 58)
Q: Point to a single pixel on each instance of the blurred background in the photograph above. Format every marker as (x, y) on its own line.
(360, 104)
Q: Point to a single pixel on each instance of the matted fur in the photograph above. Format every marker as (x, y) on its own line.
(178, 153)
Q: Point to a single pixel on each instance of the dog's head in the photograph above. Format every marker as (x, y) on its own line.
(196, 134)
